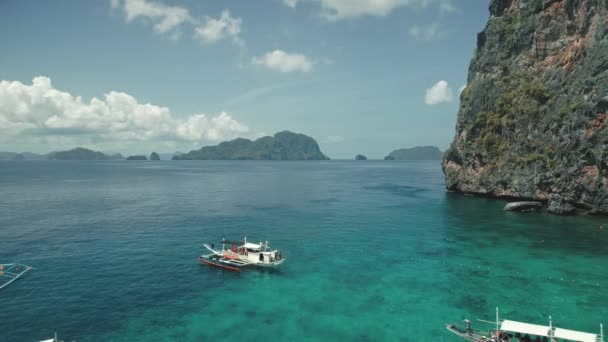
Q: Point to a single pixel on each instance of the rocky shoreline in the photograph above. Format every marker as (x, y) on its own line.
(555, 205)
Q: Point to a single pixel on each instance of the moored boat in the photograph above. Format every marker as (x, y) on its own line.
(54, 339)
(504, 330)
(11, 272)
(241, 254)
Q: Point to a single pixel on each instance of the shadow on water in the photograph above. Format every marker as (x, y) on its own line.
(484, 219)
(396, 189)
(529, 264)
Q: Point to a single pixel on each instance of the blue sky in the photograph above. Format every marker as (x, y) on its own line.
(132, 76)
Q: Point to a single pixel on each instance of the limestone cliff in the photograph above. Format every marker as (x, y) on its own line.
(532, 118)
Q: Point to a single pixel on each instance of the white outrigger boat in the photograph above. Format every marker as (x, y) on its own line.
(54, 339)
(504, 330)
(11, 272)
(241, 254)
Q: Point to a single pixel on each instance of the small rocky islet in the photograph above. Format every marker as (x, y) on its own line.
(532, 118)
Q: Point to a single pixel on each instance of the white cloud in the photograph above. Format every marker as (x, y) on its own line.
(284, 62)
(447, 7)
(439, 93)
(44, 114)
(213, 30)
(341, 9)
(165, 18)
(430, 32)
(291, 3)
(168, 20)
(200, 127)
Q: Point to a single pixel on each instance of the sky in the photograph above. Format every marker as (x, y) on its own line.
(135, 76)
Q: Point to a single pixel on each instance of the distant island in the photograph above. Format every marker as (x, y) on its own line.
(416, 153)
(282, 146)
(21, 156)
(138, 157)
(360, 157)
(80, 153)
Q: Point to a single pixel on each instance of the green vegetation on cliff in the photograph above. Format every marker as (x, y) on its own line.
(415, 153)
(282, 146)
(532, 118)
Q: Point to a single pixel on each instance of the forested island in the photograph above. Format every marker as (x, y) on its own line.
(80, 153)
(282, 146)
(415, 153)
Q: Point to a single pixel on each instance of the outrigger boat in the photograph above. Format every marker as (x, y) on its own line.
(11, 272)
(505, 329)
(241, 254)
(54, 339)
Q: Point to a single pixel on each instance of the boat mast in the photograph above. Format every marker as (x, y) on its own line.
(601, 332)
(497, 323)
(550, 327)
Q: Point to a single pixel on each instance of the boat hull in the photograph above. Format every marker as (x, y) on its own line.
(218, 264)
(468, 336)
(11, 272)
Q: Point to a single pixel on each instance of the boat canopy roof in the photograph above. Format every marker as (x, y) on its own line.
(525, 328)
(252, 245)
(574, 335)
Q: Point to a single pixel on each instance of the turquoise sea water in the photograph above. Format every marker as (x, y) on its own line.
(376, 251)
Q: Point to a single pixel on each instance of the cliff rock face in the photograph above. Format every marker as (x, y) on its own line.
(282, 146)
(532, 119)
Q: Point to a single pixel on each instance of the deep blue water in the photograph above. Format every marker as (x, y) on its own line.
(375, 251)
